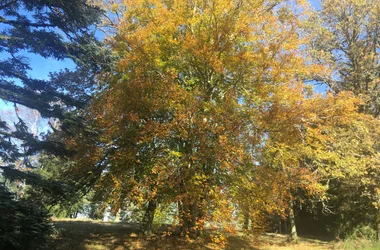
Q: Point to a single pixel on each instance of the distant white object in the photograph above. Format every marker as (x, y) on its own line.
(106, 216)
(82, 216)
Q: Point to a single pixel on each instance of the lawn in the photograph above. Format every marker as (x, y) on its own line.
(94, 235)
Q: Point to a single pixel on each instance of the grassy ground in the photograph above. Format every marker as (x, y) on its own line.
(93, 235)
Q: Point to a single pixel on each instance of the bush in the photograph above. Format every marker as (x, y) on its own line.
(362, 237)
(363, 232)
(358, 244)
(23, 225)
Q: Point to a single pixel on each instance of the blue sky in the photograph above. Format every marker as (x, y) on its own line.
(41, 67)
(316, 4)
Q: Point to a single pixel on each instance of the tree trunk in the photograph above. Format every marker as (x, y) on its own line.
(117, 216)
(197, 215)
(148, 217)
(183, 215)
(293, 237)
(190, 215)
(286, 225)
(377, 225)
(246, 221)
(74, 215)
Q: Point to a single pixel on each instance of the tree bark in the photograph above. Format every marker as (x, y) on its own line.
(293, 237)
(148, 217)
(286, 225)
(246, 221)
(377, 225)
(189, 214)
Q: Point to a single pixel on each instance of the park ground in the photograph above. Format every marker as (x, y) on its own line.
(96, 235)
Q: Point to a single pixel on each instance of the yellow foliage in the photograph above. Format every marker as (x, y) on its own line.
(208, 109)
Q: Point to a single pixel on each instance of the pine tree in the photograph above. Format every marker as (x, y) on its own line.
(52, 29)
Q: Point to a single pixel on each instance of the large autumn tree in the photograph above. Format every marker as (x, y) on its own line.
(180, 114)
(207, 109)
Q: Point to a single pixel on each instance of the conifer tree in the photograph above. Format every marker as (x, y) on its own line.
(51, 29)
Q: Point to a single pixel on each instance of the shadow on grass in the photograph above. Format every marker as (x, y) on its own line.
(84, 235)
(234, 243)
(80, 235)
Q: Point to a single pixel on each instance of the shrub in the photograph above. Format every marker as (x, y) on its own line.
(23, 224)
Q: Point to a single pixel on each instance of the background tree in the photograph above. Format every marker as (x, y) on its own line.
(320, 148)
(346, 39)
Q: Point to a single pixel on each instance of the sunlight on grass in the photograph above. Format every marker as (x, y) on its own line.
(358, 244)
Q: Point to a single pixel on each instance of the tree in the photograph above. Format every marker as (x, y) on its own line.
(24, 225)
(59, 30)
(315, 142)
(346, 38)
(207, 103)
(181, 115)
(55, 29)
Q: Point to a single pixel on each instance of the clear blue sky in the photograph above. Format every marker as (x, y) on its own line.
(316, 4)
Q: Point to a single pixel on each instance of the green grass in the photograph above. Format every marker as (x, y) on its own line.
(359, 244)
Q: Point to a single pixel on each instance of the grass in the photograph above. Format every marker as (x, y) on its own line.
(362, 244)
(278, 241)
(96, 235)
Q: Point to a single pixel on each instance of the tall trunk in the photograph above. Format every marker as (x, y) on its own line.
(74, 215)
(377, 225)
(117, 216)
(189, 214)
(293, 230)
(183, 215)
(148, 217)
(286, 225)
(197, 215)
(246, 221)
(194, 211)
